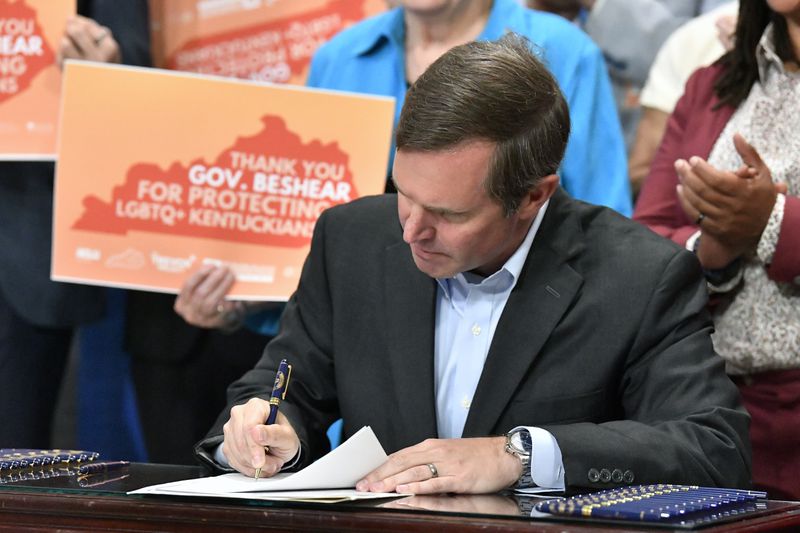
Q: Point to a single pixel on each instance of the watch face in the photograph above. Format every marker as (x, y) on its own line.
(520, 442)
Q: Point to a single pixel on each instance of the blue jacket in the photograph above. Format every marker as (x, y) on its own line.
(369, 58)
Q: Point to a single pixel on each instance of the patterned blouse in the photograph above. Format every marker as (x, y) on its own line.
(760, 329)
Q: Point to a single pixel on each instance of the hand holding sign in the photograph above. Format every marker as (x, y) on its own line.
(85, 39)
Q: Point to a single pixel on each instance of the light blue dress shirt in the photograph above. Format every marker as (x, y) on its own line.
(369, 57)
(468, 308)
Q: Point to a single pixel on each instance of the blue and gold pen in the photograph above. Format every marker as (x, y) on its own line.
(279, 389)
(102, 467)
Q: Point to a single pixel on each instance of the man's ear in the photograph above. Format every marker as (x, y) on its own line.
(536, 197)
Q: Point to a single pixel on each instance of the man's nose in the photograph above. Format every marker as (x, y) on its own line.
(416, 227)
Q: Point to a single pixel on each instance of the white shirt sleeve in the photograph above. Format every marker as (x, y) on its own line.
(220, 459)
(769, 237)
(547, 466)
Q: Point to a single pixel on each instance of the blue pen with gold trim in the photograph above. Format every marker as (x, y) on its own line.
(102, 467)
(279, 389)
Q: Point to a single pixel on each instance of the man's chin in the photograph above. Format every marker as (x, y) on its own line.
(439, 271)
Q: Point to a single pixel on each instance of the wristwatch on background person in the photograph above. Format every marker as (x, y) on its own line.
(518, 444)
(721, 279)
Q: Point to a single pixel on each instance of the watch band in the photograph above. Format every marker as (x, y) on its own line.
(519, 444)
(718, 277)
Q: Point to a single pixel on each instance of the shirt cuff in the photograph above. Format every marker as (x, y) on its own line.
(769, 237)
(221, 460)
(691, 240)
(547, 466)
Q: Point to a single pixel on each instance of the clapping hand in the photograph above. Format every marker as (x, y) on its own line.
(731, 207)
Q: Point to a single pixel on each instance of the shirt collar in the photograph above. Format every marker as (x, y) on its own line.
(390, 27)
(766, 56)
(517, 260)
(512, 267)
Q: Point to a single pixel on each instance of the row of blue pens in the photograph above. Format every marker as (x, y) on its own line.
(31, 460)
(650, 502)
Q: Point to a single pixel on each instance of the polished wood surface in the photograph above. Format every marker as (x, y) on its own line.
(65, 505)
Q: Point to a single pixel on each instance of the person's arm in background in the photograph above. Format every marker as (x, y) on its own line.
(595, 167)
(630, 32)
(698, 43)
(657, 206)
(648, 136)
(785, 264)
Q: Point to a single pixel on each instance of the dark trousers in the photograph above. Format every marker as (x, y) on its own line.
(32, 362)
(773, 401)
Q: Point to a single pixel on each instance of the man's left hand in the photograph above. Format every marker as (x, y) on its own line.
(474, 466)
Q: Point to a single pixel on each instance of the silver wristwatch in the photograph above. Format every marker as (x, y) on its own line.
(518, 444)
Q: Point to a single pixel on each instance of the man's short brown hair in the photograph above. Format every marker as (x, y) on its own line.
(492, 91)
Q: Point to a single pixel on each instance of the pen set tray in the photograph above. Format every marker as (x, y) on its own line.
(21, 465)
(658, 505)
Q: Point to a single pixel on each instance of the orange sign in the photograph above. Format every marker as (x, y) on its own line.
(30, 31)
(263, 40)
(193, 170)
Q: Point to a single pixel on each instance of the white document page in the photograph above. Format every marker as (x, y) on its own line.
(339, 469)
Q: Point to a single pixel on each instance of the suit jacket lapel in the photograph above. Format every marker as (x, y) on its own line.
(410, 298)
(545, 289)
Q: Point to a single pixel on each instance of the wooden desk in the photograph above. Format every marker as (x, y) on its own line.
(60, 503)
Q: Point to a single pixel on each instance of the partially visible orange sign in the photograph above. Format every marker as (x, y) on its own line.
(30, 31)
(264, 40)
(195, 170)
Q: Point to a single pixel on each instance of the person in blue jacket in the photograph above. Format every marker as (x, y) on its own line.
(384, 54)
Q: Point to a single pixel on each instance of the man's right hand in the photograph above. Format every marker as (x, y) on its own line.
(249, 444)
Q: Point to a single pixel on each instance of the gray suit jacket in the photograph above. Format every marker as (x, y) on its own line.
(604, 342)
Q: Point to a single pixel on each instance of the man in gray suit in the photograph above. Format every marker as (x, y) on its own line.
(500, 333)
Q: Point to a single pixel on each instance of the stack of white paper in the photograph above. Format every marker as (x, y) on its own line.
(331, 478)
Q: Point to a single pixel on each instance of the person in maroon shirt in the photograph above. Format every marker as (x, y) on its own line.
(725, 184)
